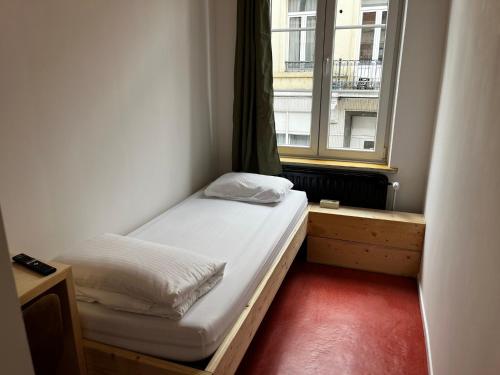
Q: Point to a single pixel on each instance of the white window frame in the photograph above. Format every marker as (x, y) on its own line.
(303, 33)
(322, 83)
(378, 10)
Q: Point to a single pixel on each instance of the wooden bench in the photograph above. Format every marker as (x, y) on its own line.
(372, 240)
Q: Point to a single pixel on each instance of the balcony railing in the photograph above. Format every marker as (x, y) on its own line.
(346, 74)
(356, 74)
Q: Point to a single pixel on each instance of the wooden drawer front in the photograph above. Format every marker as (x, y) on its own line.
(400, 234)
(369, 257)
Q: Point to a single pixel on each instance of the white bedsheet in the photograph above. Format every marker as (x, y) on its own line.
(247, 236)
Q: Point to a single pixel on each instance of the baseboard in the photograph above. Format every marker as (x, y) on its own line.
(426, 329)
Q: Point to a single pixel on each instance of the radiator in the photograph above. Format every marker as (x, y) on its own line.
(351, 188)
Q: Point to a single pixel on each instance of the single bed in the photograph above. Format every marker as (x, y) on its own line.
(251, 238)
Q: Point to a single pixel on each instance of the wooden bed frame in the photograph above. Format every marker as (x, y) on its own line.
(103, 359)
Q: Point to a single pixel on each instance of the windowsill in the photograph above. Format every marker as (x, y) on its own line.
(336, 164)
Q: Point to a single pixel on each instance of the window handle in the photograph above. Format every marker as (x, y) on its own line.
(327, 66)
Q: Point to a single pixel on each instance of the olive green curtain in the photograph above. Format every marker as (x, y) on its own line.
(254, 136)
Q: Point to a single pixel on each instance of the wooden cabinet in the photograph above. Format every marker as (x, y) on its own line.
(373, 240)
(31, 286)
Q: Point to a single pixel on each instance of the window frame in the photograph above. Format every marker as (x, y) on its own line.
(379, 11)
(312, 150)
(322, 83)
(303, 32)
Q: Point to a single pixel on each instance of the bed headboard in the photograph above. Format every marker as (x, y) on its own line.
(351, 188)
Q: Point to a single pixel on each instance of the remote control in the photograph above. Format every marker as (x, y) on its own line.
(33, 264)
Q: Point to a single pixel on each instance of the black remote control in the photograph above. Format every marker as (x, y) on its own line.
(33, 264)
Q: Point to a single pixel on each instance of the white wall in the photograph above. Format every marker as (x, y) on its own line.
(224, 35)
(461, 267)
(14, 351)
(424, 38)
(104, 115)
(415, 111)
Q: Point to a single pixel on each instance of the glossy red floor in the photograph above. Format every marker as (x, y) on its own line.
(328, 320)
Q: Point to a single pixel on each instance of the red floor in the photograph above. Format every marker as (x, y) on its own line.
(328, 320)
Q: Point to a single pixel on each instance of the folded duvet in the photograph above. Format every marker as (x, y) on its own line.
(129, 274)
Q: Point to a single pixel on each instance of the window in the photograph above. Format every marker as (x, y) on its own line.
(359, 130)
(372, 40)
(332, 65)
(302, 24)
(292, 127)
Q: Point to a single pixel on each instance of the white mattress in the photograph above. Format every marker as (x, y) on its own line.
(247, 236)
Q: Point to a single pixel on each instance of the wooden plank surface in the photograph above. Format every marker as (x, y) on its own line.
(105, 359)
(76, 331)
(368, 226)
(369, 213)
(326, 163)
(227, 358)
(368, 257)
(30, 284)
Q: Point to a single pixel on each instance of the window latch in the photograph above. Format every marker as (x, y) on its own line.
(326, 69)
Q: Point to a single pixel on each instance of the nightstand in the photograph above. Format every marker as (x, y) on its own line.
(373, 240)
(31, 286)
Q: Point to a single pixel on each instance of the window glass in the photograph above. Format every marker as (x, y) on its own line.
(293, 128)
(298, 122)
(310, 38)
(301, 5)
(362, 129)
(281, 138)
(299, 140)
(280, 121)
(331, 98)
(369, 18)
(356, 83)
(294, 40)
(382, 37)
(367, 37)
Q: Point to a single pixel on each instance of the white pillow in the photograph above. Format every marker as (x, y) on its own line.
(129, 274)
(249, 187)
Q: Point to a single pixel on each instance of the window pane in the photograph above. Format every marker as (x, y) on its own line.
(356, 77)
(293, 67)
(294, 40)
(299, 140)
(299, 122)
(363, 127)
(382, 38)
(366, 45)
(280, 121)
(310, 37)
(369, 18)
(367, 36)
(302, 5)
(281, 138)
